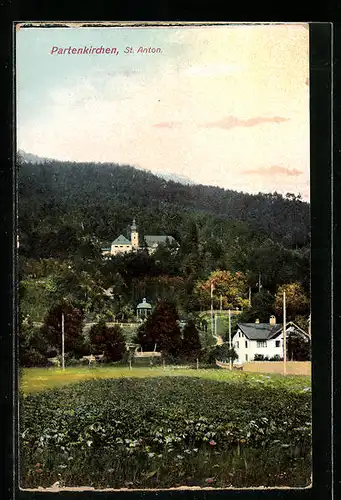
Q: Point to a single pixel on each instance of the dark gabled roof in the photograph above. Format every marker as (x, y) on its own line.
(121, 240)
(259, 331)
(157, 239)
(265, 331)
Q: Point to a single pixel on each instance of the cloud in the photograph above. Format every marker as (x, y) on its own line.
(274, 170)
(210, 70)
(232, 121)
(167, 125)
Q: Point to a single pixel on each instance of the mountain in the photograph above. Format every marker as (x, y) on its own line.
(168, 176)
(31, 158)
(107, 196)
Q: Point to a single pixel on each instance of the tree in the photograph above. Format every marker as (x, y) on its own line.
(33, 345)
(73, 327)
(191, 341)
(232, 287)
(298, 348)
(161, 329)
(107, 340)
(297, 302)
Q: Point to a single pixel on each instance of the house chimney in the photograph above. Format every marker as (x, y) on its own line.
(272, 320)
(257, 320)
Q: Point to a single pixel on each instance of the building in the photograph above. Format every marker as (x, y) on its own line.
(123, 245)
(265, 339)
(143, 310)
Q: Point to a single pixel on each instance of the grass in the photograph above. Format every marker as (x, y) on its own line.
(189, 428)
(38, 379)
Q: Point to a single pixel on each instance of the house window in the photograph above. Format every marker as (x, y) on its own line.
(237, 344)
(261, 343)
(239, 335)
(278, 343)
(246, 357)
(246, 343)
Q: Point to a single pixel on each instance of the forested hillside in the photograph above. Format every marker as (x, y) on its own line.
(68, 211)
(105, 197)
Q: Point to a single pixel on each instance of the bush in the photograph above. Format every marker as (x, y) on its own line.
(107, 340)
(32, 357)
(277, 357)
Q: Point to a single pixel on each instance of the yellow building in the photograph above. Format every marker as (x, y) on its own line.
(123, 245)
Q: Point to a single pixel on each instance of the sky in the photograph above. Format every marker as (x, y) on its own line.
(222, 105)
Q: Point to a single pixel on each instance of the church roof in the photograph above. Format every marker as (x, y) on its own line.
(121, 240)
(156, 239)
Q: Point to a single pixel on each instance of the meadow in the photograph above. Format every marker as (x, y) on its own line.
(112, 427)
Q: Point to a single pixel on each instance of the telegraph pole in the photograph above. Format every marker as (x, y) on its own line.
(212, 321)
(221, 302)
(284, 336)
(230, 343)
(63, 341)
(249, 296)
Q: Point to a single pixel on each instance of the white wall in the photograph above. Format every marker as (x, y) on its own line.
(248, 353)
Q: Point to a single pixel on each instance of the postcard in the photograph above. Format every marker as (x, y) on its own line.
(164, 256)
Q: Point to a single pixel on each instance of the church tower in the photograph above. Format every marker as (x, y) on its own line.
(134, 236)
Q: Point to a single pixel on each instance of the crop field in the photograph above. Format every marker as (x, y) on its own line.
(154, 428)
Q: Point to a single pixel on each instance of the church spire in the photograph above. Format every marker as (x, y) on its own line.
(134, 235)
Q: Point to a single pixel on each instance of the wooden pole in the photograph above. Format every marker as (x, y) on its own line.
(212, 324)
(284, 336)
(197, 364)
(249, 296)
(63, 343)
(221, 302)
(215, 323)
(230, 342)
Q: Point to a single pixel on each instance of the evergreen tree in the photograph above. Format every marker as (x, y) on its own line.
(73, 326)
(191, 341)
(107, 340)
(161, 329)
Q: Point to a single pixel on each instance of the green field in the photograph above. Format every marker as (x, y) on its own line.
(38, 379)
(111, 427)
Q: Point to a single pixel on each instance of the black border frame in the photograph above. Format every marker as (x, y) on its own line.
(322, 186)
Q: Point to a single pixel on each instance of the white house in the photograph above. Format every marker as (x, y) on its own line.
(263, 338)
(123, 245)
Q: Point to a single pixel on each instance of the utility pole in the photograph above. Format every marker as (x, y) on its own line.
(221, 302)
(215, 324)
(63, 342)
(230, 343)
(249, 296)
(259, 283)
(212, 323)
(284, 336)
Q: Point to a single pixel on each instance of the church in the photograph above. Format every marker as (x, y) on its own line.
(122, 245)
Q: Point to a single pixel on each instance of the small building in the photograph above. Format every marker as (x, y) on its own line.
(264, 339)
(143, 310)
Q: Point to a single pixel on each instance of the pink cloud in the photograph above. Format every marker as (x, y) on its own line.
(274, 170)
(232, 121)
(167, 124)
